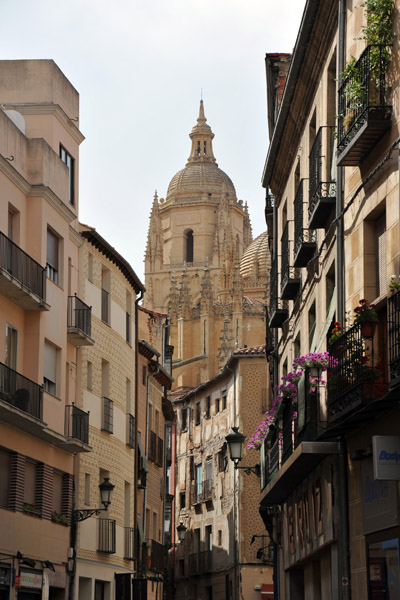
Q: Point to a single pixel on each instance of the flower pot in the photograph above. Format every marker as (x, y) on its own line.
(315, 371)
(368, 329)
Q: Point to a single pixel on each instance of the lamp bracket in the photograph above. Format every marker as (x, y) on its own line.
(256, 470)
(83, 514)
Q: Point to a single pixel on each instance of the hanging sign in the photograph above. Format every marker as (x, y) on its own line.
(386, 457)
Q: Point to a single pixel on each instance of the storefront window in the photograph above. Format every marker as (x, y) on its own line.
(384, 572)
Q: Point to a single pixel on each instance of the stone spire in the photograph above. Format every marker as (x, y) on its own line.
(202, 138)
(154, 248)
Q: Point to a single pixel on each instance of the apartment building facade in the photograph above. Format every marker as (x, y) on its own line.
(39, 244)
(332, 168)
(226, 552)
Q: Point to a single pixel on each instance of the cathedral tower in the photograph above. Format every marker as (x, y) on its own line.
(196, 239)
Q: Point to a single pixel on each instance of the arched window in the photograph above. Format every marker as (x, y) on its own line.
(189, 247)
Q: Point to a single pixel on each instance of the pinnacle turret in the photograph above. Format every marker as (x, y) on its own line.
(201, 136)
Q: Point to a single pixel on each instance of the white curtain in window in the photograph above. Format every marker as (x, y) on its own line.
(50, 362)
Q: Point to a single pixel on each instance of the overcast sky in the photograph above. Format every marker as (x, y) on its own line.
(139, 67)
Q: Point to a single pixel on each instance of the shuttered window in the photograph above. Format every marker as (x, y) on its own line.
(30, 483)
(4, 478)
(57, 492)
(50, 368)
(52, 256)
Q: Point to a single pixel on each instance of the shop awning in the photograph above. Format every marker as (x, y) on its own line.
(267, 591)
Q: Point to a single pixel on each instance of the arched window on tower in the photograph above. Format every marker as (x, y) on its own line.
(205, 148)
(189, 246)
(198, 149)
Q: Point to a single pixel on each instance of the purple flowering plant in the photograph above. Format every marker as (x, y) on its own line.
(288, 389)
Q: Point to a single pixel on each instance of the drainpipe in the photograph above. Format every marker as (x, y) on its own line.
(344, 583)
(340, 313)
(135, 487)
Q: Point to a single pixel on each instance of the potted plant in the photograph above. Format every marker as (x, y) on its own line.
(366, 315)
(59, 518)
(394, 284)
(32, 509)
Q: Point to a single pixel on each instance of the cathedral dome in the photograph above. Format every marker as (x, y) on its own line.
(255, 262)
(201, 175)
(201, 178)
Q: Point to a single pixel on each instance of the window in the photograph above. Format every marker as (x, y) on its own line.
(197, 413)
(50, 368)
(90, 267)
(105, 296)
(208, 407)
(311, 326)
(4, 478)
(199, 481)
(182, 500)
(69, 161)
(217, 401)
(11, 347)
(108, 412)
(155, 526)
(219, 537)
(189, 247)
(128, 395)
(184, 418)
(89, 375)
(224, 400)
(52, 256)
(380, 253)
(182, 567)
(30, 483)
(57, 493)
(128, 317)
(130, 441)
(87, 489)
(222, 460)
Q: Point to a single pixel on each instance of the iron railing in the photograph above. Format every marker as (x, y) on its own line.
(108, 415)
(157, 562)
(285, 266)
(273, 290)
(288, 442)
(130, 426)
(17, 390)
(205, 561)
(22, 267)
(394, 337)
(79, 315)
(106, 536)
(130, 545)
(321, 180)
(358, 369)
(196, 492)
(362, 94)
(302, 235)
(76, 423)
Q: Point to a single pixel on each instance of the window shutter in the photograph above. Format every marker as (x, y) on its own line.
(57, 492)
(381, 254)
(4, 478)
(50, 362)
(52, 249)
(30, 483)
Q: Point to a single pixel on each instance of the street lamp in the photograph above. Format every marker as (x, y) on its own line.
(106, 488)
(235, 443)
(181, 529)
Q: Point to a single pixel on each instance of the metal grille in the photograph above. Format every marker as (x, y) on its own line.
(105, 302)
(79, 315)
(321, 173)
(130, 543)
(76, 423)
(157, 557)
(394, 337)
(273, 291)
(108, 414)
(21, 266)
(106, 536)
(131, 430)
(17, 390)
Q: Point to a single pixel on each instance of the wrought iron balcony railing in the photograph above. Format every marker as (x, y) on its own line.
(394, 338)
(130, 543)
(17, 263)
(20, 392)
(106, 536)
(157, 562)
(322, 184)
(130, 430)
(196, 492)
(278, 312)
(290, 282)
(76, 423)
(357, 374)
(305, 240)
(79, 316)
(205, 562)
(364, 113)
(108, 415)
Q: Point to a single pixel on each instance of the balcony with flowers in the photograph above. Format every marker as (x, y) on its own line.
(288, 437)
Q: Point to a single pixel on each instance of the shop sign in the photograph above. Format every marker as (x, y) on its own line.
(386, 457)
(379, 501)
(31, 580)
(17, 582)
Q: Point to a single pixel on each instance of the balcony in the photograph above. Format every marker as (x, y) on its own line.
(290, 282)
(106, 536)
(269, 212)
(196, 493)
(79, 322)
(207, 490)
(194, 564)
(357, 376)
(278, 313)
(394, 339)
(157, 562)
(364, 113)
(20, 392)
(130, 543)
(76, 424)
(205, 562)
(22, 279)
(305, 240)
(322, 184)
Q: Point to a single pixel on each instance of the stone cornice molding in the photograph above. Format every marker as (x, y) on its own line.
(36, 190)
(75, 237)
(49, 109)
